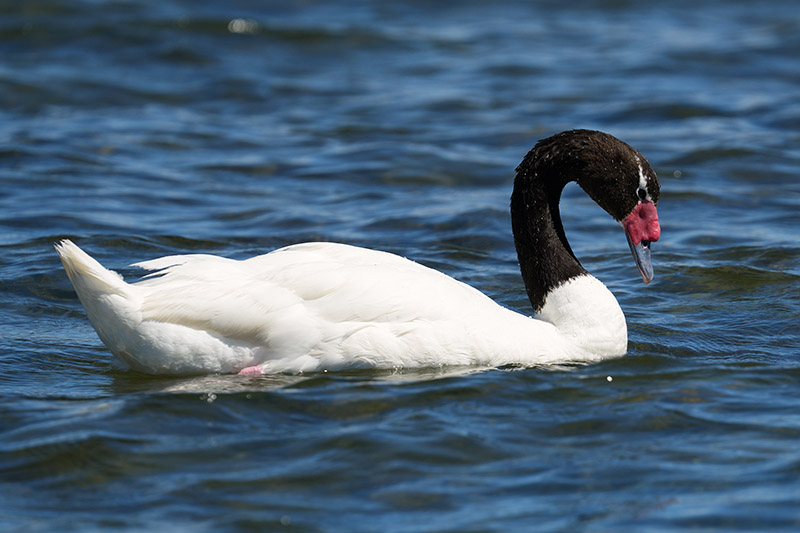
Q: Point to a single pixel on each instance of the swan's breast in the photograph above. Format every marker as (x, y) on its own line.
(586, 312)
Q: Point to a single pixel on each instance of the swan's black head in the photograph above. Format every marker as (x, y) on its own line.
(612, 173)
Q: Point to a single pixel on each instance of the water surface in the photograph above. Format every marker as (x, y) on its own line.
(140, 130)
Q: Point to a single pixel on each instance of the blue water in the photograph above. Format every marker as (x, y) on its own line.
(140, 129)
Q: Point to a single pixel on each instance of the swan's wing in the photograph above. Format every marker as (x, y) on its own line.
(228, 298)
(297, 297)
(348, 283)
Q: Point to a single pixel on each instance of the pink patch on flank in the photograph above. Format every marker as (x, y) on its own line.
(642, 223)
(250, 371)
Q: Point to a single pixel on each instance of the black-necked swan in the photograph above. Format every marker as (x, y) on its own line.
(326, 306)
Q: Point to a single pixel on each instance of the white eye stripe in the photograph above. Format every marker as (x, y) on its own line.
(643, 185)
(642, 179)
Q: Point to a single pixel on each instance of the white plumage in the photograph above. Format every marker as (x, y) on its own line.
(319, 306)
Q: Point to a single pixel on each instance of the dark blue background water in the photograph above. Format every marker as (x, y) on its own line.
(140, 129)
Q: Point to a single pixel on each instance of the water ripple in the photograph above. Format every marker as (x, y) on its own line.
(144, 130)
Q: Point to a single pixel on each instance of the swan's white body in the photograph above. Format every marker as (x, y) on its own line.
(317, 306)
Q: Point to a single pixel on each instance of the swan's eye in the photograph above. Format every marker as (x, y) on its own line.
(642, 193)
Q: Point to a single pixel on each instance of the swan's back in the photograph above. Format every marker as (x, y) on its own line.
(335, 282)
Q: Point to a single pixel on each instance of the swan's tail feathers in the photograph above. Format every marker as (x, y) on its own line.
(89, 277)
(113, 306)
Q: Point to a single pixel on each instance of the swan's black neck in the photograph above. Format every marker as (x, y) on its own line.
(609, 170)
(545, 257)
